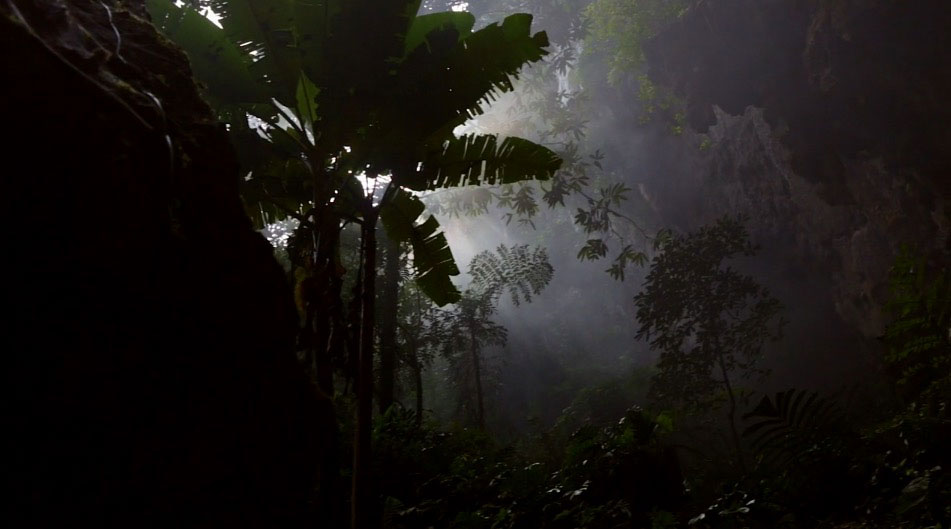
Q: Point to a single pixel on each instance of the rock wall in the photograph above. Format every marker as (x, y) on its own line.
(149, 329)
(747, 170)
(823, 121)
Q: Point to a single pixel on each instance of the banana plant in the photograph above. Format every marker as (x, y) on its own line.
(333, 103)
(318, 94)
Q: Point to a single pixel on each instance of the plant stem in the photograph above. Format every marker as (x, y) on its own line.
(731, 415)
(361, 501)
(388, 323)
(476, 370)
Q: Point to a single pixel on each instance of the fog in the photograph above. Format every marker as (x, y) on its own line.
(580, 332)
(699, 272)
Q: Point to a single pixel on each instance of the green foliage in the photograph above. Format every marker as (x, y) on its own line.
(787, 429)
(627, 255)
(432, 258)
(520, 270)
(910, 481)
(609, 476)
(222, 65)
(319, 94)
(334, 105)
(473, 67)
(919, 337)
(706, 319)
(467, 329)
(619, 29)
(731, 509)
(618, 32)
(478, 160)
(620, 473)
(803, 450)
(550, 107)
(593, 249)
(597, 217)
(424, 27)
(521, 200)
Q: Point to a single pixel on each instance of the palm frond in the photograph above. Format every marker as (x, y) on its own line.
(481, 159)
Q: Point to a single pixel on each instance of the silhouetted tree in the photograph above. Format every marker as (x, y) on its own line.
(708, 321)
(351, 89)
(467, 328)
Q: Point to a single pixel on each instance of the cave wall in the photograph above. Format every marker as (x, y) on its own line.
(150, 331)
(825, 123)
(843, 76)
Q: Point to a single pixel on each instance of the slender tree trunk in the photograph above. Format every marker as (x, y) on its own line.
(417, 362)
(325, 238)
(328, 297)
(388, 320)
(321, 322)
(418, 376)
(477, 373)
(731, 414)
(362, 505)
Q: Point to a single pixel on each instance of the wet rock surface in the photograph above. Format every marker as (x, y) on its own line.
(153, 376)
(822, 122)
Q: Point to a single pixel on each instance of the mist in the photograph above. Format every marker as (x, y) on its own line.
(681, 176)
(492, 264)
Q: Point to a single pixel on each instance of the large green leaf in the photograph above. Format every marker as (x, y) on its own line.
(432, 256)
(439, 86)
(481, 159)
(423, 25)
(314, 21)
(348, 48)
(265, 30)
(306, 108)
(216, 61)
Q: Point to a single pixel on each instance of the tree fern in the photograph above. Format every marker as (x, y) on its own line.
(520, 270)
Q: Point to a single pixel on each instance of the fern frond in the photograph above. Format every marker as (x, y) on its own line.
(785, 428)
(522, 271)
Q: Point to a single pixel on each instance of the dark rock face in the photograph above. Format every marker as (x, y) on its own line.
(149, 328)
(824, 125)
(747, 170)
(844, 76)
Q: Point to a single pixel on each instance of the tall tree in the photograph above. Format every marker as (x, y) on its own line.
(467, 328)
(348, 93)
(708, 321)
(389, 320)
(420, 337)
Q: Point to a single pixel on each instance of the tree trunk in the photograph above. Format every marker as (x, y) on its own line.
(731, 415)
(418, 376)
(388, 321)
(327, 296)
(361, 505)
(323, 321)
(477, 374)
(417, 361)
